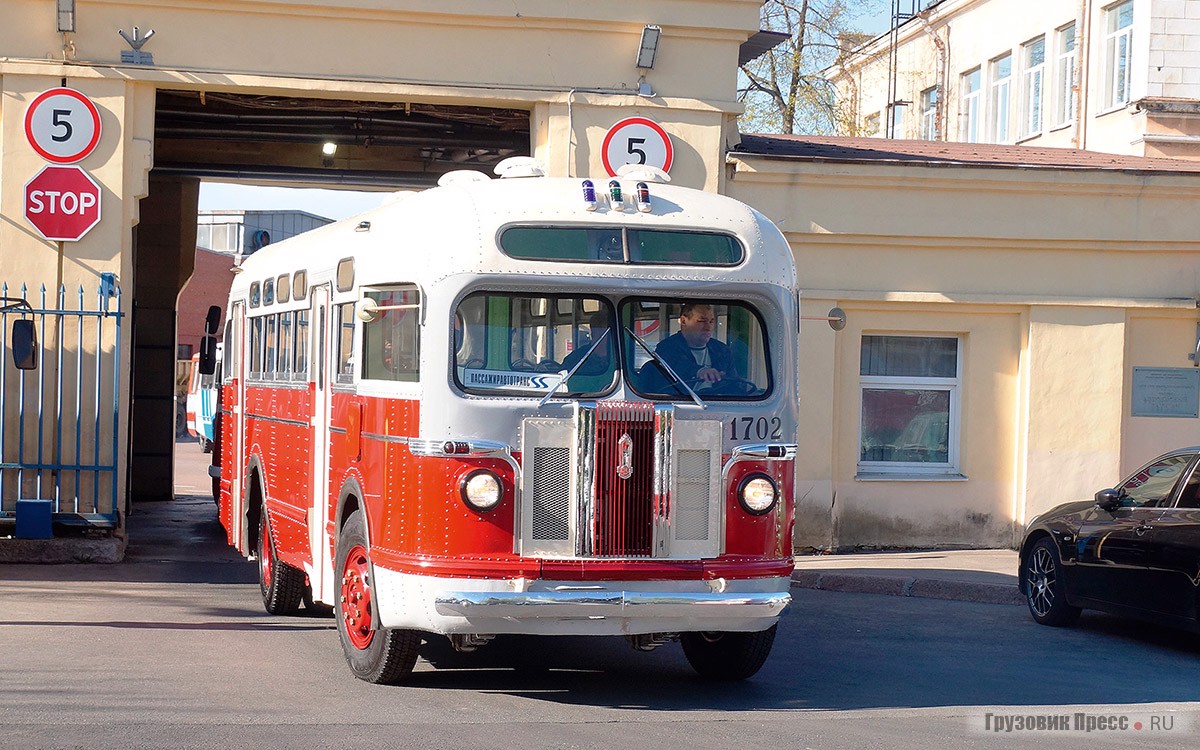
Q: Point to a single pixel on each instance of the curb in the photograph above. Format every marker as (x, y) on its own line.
(62, 550)
(926, 588)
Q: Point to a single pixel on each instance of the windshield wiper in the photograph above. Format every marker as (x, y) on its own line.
(565, 375)
(663, 363)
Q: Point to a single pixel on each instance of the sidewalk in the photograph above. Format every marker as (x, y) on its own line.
(988, 576)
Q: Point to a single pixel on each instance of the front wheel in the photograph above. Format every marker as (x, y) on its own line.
(380, 656)
(1044, 586)
(728, 656)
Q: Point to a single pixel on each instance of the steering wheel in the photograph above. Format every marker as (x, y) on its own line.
(548, 365)
(522, 365)
(725, 387)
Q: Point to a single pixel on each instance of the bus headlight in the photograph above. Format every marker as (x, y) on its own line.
(481, 490)
(757, 494)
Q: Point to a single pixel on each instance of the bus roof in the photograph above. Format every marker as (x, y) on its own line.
(423, 237)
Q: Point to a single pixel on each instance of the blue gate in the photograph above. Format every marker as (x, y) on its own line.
(59, 423)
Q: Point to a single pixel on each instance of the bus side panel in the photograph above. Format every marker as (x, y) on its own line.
(278, 422)
(449, 527)
(388, 467)
(769, 534)
(229, 458)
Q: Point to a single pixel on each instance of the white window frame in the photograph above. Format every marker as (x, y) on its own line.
(929, 105)
(970, 112)
(1117, 82)
(1065, 70)
(1000, 99)
(869, 469)
(1034, 85)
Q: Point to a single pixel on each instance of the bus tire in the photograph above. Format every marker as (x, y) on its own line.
(728, 656)
(381, 656)
(282, 586)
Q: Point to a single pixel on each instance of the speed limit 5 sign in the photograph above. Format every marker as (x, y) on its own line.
(62, 125)
(636, 140)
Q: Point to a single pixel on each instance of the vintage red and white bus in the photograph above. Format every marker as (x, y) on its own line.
(473, 411)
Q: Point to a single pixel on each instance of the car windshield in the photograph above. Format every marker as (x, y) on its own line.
(680, 349)
(515, 344)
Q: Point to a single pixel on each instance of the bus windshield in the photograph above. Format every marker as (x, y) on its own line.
(717, 349)
(521, 345)
(515, 344)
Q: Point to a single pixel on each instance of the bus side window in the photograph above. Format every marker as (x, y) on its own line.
(344, 341)
(391, 342)
(300, 371)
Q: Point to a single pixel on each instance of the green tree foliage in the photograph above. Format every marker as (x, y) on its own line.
(783, 90)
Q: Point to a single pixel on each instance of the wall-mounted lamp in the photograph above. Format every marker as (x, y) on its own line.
(649, 47)
(329, 148)
(66, 16)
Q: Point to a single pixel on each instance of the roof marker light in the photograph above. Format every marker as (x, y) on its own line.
(614, 196)
(589, 195)
(642, 198)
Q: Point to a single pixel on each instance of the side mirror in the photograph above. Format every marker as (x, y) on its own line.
(24, 345)
(208, 355)
(1108, 500)
(212, 321)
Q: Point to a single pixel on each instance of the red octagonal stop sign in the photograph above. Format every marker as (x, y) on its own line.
(63, 203)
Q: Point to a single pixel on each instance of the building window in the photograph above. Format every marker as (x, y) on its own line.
(1034, 54)
(910, 404)
(1118, 46)
(929, 104)
(898, 109)
(970, 106)
(1001, 78)
(871, 125)
(1064, 92)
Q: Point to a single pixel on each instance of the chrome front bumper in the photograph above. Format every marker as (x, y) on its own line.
(607, 603)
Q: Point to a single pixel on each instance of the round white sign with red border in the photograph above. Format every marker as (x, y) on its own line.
(636, 140)
(62, 125)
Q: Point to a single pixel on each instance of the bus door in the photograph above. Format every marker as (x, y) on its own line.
(233, 455)
(320, 576)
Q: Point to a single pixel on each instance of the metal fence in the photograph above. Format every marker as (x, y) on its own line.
(59, 422)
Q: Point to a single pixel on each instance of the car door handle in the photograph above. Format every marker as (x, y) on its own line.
(1142, 528)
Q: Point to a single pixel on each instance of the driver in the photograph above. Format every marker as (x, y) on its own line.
(693, 353)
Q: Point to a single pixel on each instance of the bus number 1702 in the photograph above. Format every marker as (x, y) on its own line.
(755, 428)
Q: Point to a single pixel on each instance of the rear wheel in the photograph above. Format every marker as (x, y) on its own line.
(728, 656)
(1044, 586)
(383, 655)
(282, 586)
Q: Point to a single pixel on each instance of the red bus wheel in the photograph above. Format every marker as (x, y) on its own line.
(281, 585)
(378, 655)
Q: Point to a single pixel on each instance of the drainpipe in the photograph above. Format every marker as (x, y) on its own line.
(943, 50)
(1082, 46)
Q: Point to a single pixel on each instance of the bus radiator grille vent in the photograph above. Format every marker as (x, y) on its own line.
(551, 493)
(693, 483)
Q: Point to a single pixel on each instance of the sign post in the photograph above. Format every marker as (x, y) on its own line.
(62, 203)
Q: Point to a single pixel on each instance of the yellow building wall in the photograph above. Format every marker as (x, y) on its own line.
(1057, 283)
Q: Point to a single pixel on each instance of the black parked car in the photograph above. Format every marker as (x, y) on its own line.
(1134, 551)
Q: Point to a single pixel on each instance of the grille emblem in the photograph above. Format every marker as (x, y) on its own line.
(625, 447)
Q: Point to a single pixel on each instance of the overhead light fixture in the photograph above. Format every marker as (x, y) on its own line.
(329, 148)
(649, 46)
(66, 15)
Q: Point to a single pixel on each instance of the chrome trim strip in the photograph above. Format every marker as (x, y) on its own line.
(758, 452)
(394, 439)
(585, 453)
(664, 429)
(610, 604)
(277, 420)
(430, 448)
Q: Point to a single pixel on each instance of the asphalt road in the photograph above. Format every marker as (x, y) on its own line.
(173, 649)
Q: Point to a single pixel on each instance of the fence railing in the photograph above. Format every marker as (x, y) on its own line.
(59, 423)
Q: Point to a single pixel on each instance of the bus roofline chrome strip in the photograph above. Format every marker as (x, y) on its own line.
(758, 452)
